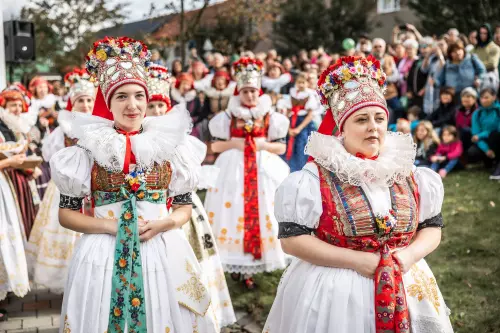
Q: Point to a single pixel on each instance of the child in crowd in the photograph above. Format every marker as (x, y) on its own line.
(448, 152)
(486, 132)
(427, 142)
(403, 126)
(445, 112)
(463, 116)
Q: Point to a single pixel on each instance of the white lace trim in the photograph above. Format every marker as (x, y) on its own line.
(269, 267)
(394, 164)
(156, 144)
(425, 324)
(188, 97)
(236, 109)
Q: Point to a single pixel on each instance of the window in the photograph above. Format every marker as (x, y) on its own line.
(388, 6)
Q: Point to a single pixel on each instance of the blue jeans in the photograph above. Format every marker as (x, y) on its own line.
(447, 165)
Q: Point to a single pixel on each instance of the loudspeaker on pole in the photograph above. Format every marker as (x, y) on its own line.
(19, 40)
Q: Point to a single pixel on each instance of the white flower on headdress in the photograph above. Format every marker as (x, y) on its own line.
(359, 69)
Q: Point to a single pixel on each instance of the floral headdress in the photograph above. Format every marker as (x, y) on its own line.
(159, 84)
(350, 84)
(113, 62)
(79, 85)
(248, 73)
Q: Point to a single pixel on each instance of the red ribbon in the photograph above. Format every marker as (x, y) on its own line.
(391, 309)
(251, 238)
(129, 156)
(293, 122)
(363, 157)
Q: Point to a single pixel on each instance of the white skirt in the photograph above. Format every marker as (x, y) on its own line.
(13, 267)
(50, 246)
(317, 299)
(224, 204)
(87, 294)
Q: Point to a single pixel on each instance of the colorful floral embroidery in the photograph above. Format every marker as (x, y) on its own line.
(66, 328)
(127, 305)
(385, 223)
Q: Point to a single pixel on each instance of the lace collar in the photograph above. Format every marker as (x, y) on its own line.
(239, 111)
(17, 124)
(394, 164)
(155, 144)
(188, 97)
(228, 92)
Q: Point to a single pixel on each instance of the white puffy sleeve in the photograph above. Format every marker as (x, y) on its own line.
(278, 127)
(186, 168)
(52, 143)
(220, 125)
(431, 190)
(71, 168)
(297, 203)
(313, 102)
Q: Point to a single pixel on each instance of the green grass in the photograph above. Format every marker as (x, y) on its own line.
(466, 264)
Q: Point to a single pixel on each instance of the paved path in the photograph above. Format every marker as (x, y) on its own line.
(39, 312)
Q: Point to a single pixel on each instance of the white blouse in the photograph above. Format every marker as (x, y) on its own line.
(298, 199)
(163, 139)
(220, 125)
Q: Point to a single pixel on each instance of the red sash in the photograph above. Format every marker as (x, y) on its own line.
(252, 238)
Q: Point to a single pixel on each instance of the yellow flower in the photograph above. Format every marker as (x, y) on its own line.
(117, 312)
(135, 302)
(127, 216)
(155, 196)
(91, 52)
(101, 55)
(140, 195)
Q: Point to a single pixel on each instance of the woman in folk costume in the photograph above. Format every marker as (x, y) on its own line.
(198, 230)
(218, 95)
(275, 80)
(50, 246)
(249, 136)
(42, 107)
(15, 126)
(133, 269)
(373, 215)
(184, 92)
(13, 267)
(299, 106)
(201, 75)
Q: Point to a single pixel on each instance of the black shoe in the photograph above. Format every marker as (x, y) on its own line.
(496, 174)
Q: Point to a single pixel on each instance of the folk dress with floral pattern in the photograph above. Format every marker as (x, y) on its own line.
(365, 205)
(118, 284)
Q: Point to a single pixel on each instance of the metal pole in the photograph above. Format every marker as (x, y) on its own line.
(3, 81)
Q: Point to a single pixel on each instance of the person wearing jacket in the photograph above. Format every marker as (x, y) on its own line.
(486, 131)
(461, 70)
(417, 77)
(463, 116)
(449, 151)
(486, 49)
(445, 113)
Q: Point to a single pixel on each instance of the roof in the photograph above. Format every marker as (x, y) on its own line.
(138, 28)
(171, 29)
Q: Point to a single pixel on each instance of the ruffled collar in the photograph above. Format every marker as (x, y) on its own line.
(393, 165)
(301, 94)
(236, 109)
(188, 97)
(155, 144)
(17, 124)
(228, 92)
